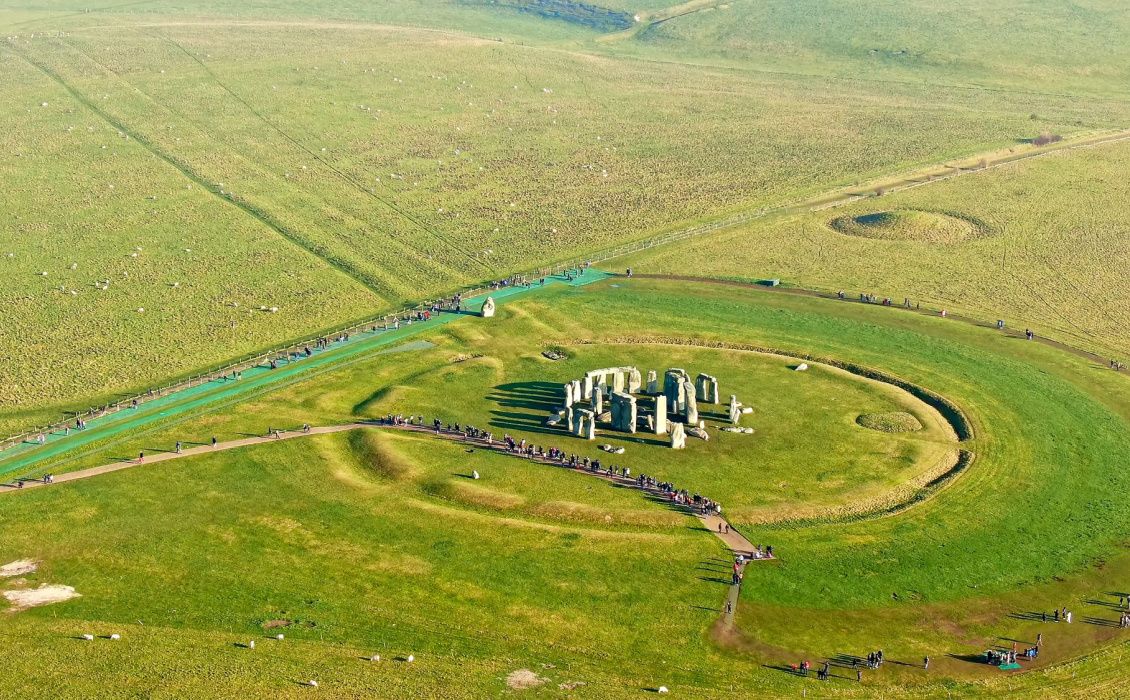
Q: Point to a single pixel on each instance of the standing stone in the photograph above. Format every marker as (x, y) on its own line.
(488, 308)
(634, 380)
(576, 385)
(597, 401)
(735, 410)
(568, 395)
(652, 382)
(584, 424)
(617, 380)
(691, 410)
(660, 414)
(623, 412)
(700, 384)
(569, 418)
(706, 386)
(678, 437)
(586, 387)
(675, 391)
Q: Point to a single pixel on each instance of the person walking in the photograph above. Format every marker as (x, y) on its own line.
(140, 457)
(213, 441)
(178, 447)
(925, 663)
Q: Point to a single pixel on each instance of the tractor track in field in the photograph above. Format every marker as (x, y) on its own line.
(339, 173)
(262, 217)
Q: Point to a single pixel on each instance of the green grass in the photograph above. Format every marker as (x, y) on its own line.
(370, 164)
(1050, 256)
(898, 422)
(336, 161)
(348, 531)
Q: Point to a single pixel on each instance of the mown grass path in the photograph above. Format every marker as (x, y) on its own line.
(222, 390)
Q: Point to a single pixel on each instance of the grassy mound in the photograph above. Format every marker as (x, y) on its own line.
(909, 225)
(897, 422)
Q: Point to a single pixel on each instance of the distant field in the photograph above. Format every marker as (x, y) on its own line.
(87, 206)
(1044, 243)
(1038, 47)
(412, 162)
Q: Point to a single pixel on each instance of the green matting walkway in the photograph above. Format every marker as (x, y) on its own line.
(255, 379)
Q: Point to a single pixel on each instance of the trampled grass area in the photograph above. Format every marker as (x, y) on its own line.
(356, 521)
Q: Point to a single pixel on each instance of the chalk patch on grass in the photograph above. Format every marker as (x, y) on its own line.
(18, 568)
(46, 594)
(524, 678)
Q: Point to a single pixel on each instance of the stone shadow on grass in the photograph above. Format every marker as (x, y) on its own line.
(534, 396)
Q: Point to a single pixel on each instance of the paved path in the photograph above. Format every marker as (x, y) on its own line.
(166, 456)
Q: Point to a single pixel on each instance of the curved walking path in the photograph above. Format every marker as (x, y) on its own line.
(717, 525)
(166, 456)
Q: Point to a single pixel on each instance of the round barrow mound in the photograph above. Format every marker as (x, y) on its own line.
(910, 225)
(897, 422)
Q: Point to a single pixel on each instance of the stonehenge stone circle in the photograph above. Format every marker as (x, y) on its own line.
(609, 396)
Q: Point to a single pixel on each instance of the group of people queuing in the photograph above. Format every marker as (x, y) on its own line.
(522, 447)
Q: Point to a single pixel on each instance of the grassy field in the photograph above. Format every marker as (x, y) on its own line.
(374, 543)
(1037, 46)
(392, 163)
(1038, 243)
(174, 173)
